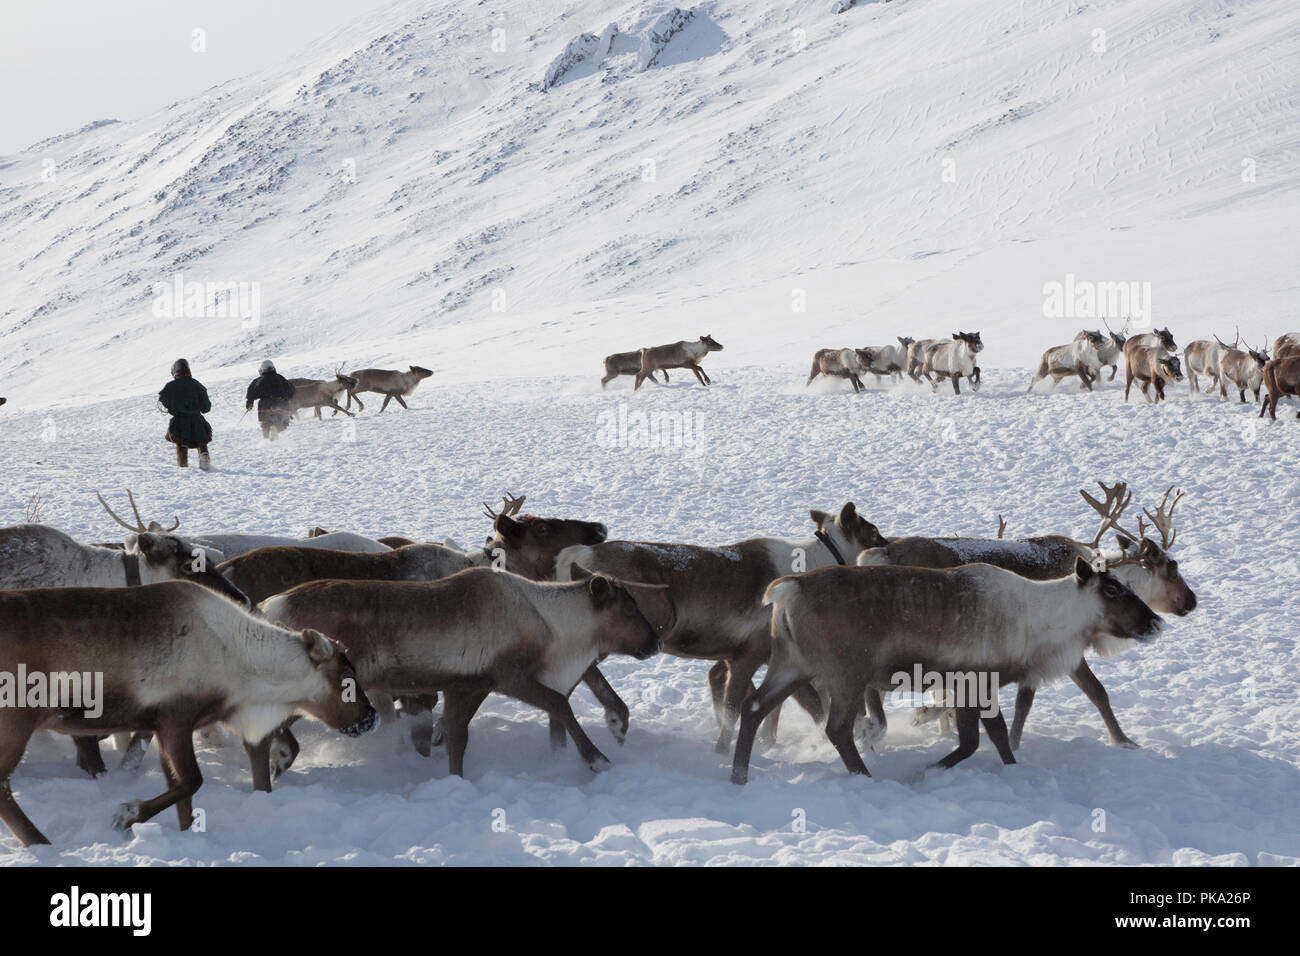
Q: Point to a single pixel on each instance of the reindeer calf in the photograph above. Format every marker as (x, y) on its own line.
(316, 393)
(626, 363)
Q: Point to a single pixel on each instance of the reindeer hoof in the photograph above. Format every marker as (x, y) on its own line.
(617, 724)
(422, 739)
(133, 757)
(739, 777)
(598, 762)
(127, 814)
(1126, 744)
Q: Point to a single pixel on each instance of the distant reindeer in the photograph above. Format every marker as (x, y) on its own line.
(916, 355)
(1203, 358)
(1112, 348)
(1281, 377)
(1160, 338)
(1081, 357)
(315, 393)
(1151, 366)
(891, 360)
(954, 360)
(391, 384)
(626, 363)
(839, 363)
(678, 355)
(1244, 368)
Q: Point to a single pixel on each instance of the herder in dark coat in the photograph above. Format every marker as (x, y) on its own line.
(272, 392)
(186, 400)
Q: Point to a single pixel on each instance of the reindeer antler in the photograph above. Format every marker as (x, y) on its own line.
(139, 527)
(1002, 526)
(510, 505)
(1118, 498)
(1163, 519)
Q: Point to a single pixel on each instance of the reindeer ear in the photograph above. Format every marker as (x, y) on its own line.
(600, 588)
(1124, 541)
(1149, 548)
(819, 517)
(319, 647)
(508, 528)
(1082, 571)
(847, 514)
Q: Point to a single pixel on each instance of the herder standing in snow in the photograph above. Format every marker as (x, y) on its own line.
(186, 400)
(272, 392)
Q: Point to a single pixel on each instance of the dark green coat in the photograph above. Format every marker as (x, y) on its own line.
(186, 400)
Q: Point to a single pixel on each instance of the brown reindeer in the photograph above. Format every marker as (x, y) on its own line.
(1152, 365)
(677, 355)
(711, 610)
(315, 393)
(1281, 378)
(845, 630)
(1244, 368)
(841, 363)
(626, 363)
(476, 632)
(174, 657)
(1282, 341)
(391, 384)
(1159, 339)
(1141, 564)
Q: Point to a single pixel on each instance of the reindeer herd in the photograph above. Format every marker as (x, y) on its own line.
(257, 631)
(1149, 358)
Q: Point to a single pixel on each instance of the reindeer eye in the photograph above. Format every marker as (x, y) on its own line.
(1110, 590)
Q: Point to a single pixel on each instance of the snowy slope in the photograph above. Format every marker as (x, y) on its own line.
(383, 185)
(390, 185)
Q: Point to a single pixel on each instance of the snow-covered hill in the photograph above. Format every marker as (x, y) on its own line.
(406, 191)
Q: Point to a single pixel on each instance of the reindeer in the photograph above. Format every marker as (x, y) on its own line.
(678, 355)
(316, 393)
(891, 360)
(847, 630)
(1081, 357)
(1151, 365)
(626, 363)
(916, 356)
(476, 632)
(174, 658)
(1112, 347)
(1282, 378)
(840, 363)
(389, 383)
(711, 609)
(1159, 339)
(1244, 369)
(1287, 351)
(1140, 564)
(954, 360)
(234, 544)
(1282, 341)
(1203, 359)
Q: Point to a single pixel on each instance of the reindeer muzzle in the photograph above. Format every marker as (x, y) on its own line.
(364, 725)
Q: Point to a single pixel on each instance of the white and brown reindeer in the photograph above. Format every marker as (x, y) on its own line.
(1082, 357)
(318, 393)
(390, 383)
(477, 632)
(174, 657)
(1283, 341)
(1203, 357)
(1151, 365)
(1160, 339)
(1244, 369)
(677, 355)
(1141, 564)
(954, 360)
(848, 630)
(840, 363)
(711, 610)
(1112, 349)
(891, 360)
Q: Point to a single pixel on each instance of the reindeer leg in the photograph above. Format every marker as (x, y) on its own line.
(135, 750)
(640, 377)
(419, 707)
(1087, 682)
(740, 676)
(699, 373)
(616, 712)
(89, 758)
(718, 691)
(996, 728)
(839, 730)
(530, 691)
(13, 742)
(757, 706)
(968, 736)
(876, 723)
(335, 406)
(1024, 701)
(176, 746)
(459, 706)
(402, 402)
(956, 386)
(259, 761)
(387, 399)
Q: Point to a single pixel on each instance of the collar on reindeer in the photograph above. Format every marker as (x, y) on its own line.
(131, 564)
(825, 539)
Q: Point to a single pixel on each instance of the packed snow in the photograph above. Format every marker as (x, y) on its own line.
(781, 176)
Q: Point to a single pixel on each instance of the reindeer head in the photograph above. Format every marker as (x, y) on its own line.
(620, 627)
(972, 339)
(865, 356)
(711, 342)
(347, 381)
(337, 700)
(849, 531)
(1121, 613)
(1095, 339)
(420, 372)
(1146, 568)
(531, 543)
(905, 340)
(1166, 339)
(1172, 367)
(1260, 355)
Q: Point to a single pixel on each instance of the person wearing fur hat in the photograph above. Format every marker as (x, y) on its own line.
(272, 392)
(186, 400)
